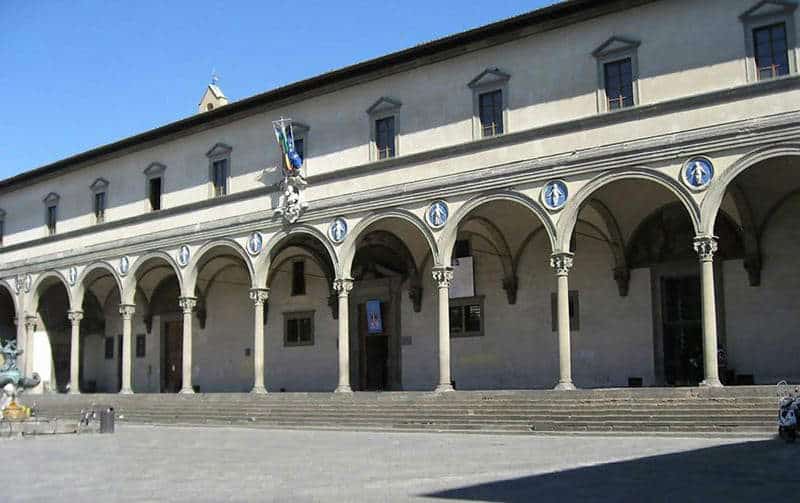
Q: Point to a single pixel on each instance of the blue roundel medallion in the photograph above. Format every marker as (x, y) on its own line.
(337, 230)
(183, 256)
(554, 195)
(437, 214)
(697, 173)
(255, 243)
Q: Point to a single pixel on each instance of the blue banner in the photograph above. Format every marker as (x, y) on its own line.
(374, 319)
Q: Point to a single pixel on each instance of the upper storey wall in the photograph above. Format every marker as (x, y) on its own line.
(687, 47)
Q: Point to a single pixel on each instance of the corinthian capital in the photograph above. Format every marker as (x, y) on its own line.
(187, 304)
(706, 246)
(443, 276)
(561, 263)
(343, 286)
(126, 311)
(30, 321)
(259, 295)
(75, 316)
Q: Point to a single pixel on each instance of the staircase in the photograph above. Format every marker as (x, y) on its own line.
(654, 411)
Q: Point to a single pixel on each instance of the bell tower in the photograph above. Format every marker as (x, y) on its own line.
(213, 98)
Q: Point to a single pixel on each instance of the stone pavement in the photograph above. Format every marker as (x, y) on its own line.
(141, 463)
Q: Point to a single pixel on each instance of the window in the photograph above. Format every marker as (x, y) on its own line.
(462, 249)
(298, 329)
(384, 137)
(619, 84)
(299, 147)
(210, 107)
(772, 58)
(220, 169)
(2, 225)
(770, 33)
(618, 74)
(141, 342)
(109, 348)
(491, 113)
(51, 212)
(155, 194)
(574, 311)
(154, 187)
(298, 278)
(466, 317)
(99, 207)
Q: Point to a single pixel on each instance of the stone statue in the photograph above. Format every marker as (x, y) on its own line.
(12, 381)
(292, 202)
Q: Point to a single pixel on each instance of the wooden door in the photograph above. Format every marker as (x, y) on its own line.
(172, 370)
(683, 330)
(374, 351)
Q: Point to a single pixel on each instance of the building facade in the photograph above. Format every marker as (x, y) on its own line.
(594, 194)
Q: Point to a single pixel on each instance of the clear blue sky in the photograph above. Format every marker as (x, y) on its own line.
(77, 74)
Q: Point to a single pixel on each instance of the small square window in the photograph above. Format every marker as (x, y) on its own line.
(385, 137)
(299, 278)
(491, 113)
(155, 194)
(462, 249)
(298, 329)
(574, 311)
(466, 317)
(141, 345)
(100, 207)
(109, 350)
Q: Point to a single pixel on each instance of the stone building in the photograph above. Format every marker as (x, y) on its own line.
(594, 194)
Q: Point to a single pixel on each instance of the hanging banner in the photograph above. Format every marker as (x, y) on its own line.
(374, 320)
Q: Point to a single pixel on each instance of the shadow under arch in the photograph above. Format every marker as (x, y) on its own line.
(293, 237)
(201, 258)
(9, 289)
(131, 279)
(712, 202)
(80, 284)
(350, 245)
(48, 278)
(569, 216)
(447, 240)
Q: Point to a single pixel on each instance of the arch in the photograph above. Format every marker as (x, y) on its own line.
(199, 255)
(622, 273)
(496, 239)
(80, 287)
(130, 281)
(41, 278)
(448, 239)
(12, 293)
(350, 245)
(276, 244)
(569, 216)
(716, 192)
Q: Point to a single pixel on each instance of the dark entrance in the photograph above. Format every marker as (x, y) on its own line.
(683, 330)
(172, 357)
(374, 354)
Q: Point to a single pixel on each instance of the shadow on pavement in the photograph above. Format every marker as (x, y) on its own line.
(750, 471)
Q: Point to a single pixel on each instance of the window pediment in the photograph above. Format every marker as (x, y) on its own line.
(99, 185)
(490, 76)
(384, 105)
(768, 8)
(51, 199)
(615, 45)
(155, 169)
(219, 150)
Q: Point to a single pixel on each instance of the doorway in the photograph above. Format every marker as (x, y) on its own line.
(172, 357)
(374, 351)
(682, 330)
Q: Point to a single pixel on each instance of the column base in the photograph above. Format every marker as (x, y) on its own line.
(711, 383)
(343, 388)
(444, 388)
(126, 391)
(74, 392)
(565, 386)
(186, 391)
(258, 390)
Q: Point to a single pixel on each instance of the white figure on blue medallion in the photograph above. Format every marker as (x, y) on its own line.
(73, 275)
(698, 173)
(183, 256)
(437, 214)
(255, 243)
(554, 194)
(338, 230)
(124, 264)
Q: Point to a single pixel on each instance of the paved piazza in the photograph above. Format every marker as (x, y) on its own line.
(227, 464)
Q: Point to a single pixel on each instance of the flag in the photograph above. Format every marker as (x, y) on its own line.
(374, 319)
(283, 134)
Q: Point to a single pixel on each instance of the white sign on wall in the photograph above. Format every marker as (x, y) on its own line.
(463, 284)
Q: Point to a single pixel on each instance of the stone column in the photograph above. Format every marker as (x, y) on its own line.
(30, 327)
(75, 318)
(561, 264)
(126, 311)
(259, 296)
(443, 276)
(343, 288)
(187, 305)
(706, 246)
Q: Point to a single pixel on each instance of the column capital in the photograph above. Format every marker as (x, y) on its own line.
(127, 310)
(187, 304)
(343, 286)
(561, 262)
(706, 247)
(259, 295)
(75, 316)
(30, 321)
(443, 276)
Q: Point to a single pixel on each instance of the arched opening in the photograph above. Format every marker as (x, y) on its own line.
(99, 355)
(501, 333)
(392, 341)
(157, 325)
(8, 329)
(301, 331)
(50, 348)
(636, 288)
(222, 347)
(761, 287)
